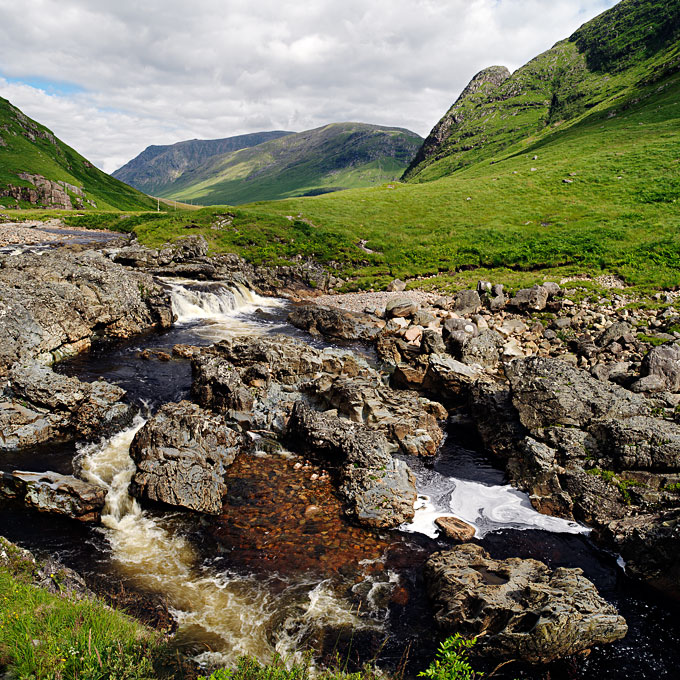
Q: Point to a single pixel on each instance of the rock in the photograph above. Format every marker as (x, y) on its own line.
(455, 528)
(467, 302)
(334, 322)
(660, 370)
(525, 610)
(379, 491)
(452, 326)
(616, 332)
(548, 391)
(511, 327)
(52, 303)
(396, 286)
(431, 342)
(54, 493)
(400, 307)
(46, 405)
(450, 378)
(483, 350)
(423, 318)
(531, 299)
(181, 456)
(413, 334)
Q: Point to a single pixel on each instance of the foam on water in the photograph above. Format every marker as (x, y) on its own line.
(487, 507)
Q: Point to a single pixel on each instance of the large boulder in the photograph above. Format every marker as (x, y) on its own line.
(334, 322)
(181, 456)
(660, 370)
(54, 493)
(547, 391)
(43, 405)
(400, 307)
(531, 299)
(524, 609)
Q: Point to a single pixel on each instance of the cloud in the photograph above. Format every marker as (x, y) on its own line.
(130, 74)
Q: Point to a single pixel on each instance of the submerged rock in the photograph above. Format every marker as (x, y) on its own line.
(524, 609)
(54, 493)
(181, 456)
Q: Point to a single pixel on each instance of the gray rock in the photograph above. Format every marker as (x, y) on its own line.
(396, 286)
(400, 308)
(660, 369)
(467, 302)
(334, 322)
(431, 342)
(54, 493)
(548, 392)
(615, 333)
(525, 610)
(181, 455)
(423, 318)
(484, 350)
(531, 299)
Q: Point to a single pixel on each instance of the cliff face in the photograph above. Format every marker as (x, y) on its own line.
(633, 43)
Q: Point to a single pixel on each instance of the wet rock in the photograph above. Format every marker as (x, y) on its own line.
(54, 493)
(378, 490)
(400, 308)
(455, 528)
(51, 304)
(181, 456)
(334, 322)
(525, 610)
(46, 405)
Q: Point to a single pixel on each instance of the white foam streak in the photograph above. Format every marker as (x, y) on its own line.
(486, 507)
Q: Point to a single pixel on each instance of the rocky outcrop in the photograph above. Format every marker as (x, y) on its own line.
(181, 456)
(54, 493)
(335, 323)
(47, 193)
(51, 304)
(42, 405)
(379, 491)
(521, 609)
(258, 380)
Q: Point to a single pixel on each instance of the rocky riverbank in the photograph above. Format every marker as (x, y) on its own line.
(571, 395)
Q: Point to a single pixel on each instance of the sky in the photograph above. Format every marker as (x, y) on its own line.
(111, 77)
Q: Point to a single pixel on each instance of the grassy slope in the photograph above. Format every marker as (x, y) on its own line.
(58, 162)
(341, 155)
(516, 219)
(609, 54)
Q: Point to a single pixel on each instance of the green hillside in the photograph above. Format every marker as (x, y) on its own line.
(30, 149)
(155, 169)
(635, 42)
(337, 156)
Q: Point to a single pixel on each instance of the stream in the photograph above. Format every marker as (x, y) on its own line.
(257, 579)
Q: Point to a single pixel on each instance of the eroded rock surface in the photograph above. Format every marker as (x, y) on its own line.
(524, 609)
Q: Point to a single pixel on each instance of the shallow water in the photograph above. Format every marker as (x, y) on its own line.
(270, 574)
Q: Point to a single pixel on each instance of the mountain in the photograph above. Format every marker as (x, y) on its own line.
(633, 42)
(39, 170)
(157, 167)
(336, 156)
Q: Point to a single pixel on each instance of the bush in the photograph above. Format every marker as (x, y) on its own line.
(451, 662)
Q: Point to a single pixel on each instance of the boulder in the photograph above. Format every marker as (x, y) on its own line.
(181, 456)
(524, 609)
(467, 302)
(54, 493)
(396, 286)
(334, 322)
(431, 342)
(455, 528)
(660, 369)
(531, 299)
(400, 308)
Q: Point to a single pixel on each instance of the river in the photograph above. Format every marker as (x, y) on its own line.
(258, 579)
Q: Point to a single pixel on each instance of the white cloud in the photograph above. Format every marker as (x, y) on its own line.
(165, 70)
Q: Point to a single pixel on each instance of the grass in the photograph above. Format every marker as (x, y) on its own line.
(30, 147)
(49, 637)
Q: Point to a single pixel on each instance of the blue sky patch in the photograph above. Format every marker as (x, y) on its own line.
(53, 87)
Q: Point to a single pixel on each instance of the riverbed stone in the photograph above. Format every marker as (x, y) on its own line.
(524, 609)
(335, 322)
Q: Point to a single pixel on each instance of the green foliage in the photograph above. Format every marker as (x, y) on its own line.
(248, 668)
(451, 662)
(623, 485)
(50, 637)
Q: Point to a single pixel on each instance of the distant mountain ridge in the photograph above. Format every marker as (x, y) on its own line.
(38, 170)
(332, 157)
(634, 41)
(157, 167)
